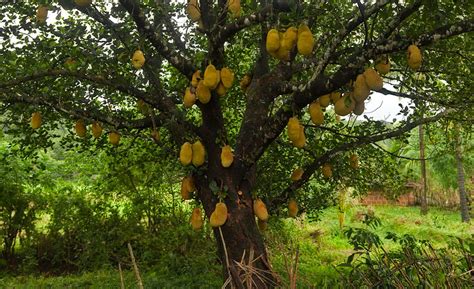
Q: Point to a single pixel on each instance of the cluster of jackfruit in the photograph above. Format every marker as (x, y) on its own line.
(280, 44)
(296, 132)
(187, 187)
(201, 87)
(192, 153)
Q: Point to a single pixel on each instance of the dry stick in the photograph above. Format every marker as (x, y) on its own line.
(229, 271)
(122, 283)
(135, 267)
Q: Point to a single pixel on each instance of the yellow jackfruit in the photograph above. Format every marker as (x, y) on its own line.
(361, 89)
(199, 153)
(36, 120)
(260, 210)
(359, 108)
(203, 93)
(325, 100)
(297, 174)
(220, 89)
(335, 96)
(373, 79)
(219, 216)
(186, 154)
(227, 77)
(245, 82)
(282, 54)
(193, 10)
(138, 59)
(114, 138)
(354, 161)
(83, 3)
(196, 219)
(293, 128)
(234, 7)
(96, 129)
(289, 38)
(227, 157)
(273, 41)
(211, 77)
(196, 77)
(344, 105)
(301, 140)
(327, 170)
(305, 41)
(189, 98)
(80, 128)
(262, 225)
(292, 208)
(41, 14)
(316, 113)
(414, 57)
(383, 65)
(187, 187)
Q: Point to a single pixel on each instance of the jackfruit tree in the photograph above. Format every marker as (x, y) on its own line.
(239, 91)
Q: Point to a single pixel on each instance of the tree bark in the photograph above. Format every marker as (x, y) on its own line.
(424, 204)
(463, 197)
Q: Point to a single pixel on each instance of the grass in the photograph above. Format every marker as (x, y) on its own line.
(321, 245)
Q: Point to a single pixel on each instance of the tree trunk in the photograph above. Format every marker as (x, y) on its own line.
(241, 248)
(424, 204)
(463, 197)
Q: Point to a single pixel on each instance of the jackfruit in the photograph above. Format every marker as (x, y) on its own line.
(186, 154)
(292, 208)
(327, 170)
(354, 161)
(138, 59)
(383, 65)
(219, 216)
(234, 7)
(361, 89)
(273, 41)
(262, 225)
(211, 77)
(193, 10)
(414, 57)
(196, 78)
(305, 42)
(316, 113)
(203, 93)
(293, 128)
(83, 3)
(41, 14)
(80, 128)
(114, 138)
(227, 77)
(187, 187)
(198, 154)
(301, 140)
(35, 120)
(373, 79)
(325, 100)
(297, 174)
(227, 157)
(155, 135)
(220, 90)
(196, 219)
(344, 105)
(260, 210)
(289, 38)
(282, 54)
(335, 96)
(245, 82)
(96, 129)
(189, 98)
(359, 108)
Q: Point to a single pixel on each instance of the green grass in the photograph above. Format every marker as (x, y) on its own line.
(321, 245)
